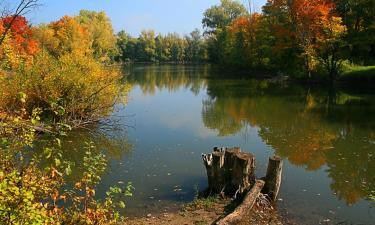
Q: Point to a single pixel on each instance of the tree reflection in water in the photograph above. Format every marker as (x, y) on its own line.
(310, 127)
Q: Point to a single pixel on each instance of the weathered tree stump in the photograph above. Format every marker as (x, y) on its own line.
(245, 207)
(218, 171)
(273, 177)
(229, 170)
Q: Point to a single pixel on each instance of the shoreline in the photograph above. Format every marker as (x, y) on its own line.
(209, 211)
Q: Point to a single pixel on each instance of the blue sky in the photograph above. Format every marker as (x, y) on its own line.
(164, 16)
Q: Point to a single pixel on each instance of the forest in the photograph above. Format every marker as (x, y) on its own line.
(61, 76)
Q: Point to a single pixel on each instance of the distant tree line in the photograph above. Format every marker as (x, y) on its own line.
(149, 47)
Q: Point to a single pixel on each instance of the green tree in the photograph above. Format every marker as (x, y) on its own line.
(195, 48)
(177, 47)
(147, 46)
(359, 18)
(127, 47)
(219, 16)
(163, 50)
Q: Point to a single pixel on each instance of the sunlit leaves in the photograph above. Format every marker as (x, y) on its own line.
(100, 30)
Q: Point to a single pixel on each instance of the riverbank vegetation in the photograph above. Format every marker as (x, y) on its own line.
(54, 78)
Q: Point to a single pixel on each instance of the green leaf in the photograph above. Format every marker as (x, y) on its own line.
(121, 204)
(57, 162)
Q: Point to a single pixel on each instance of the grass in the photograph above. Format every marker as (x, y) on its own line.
(202, 203)
(363, 74)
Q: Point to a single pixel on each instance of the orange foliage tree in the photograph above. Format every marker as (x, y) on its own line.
(66, 35)
(18, 46)
(311, 27)
(312, 22)
(245, 41)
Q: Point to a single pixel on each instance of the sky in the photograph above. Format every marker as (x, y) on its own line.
(133, 16)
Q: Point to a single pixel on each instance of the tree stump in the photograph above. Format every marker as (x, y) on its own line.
(218, 182)
(273, 177)
(229, 170)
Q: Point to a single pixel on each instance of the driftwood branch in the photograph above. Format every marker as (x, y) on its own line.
(245, 207)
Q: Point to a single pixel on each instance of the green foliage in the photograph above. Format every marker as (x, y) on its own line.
(372, 196)
(203, 203)
(149, 47)
(146, 46)
(195, 50)
(359, 18)
(34, 195)
(219, 16)
(354, 73)
(18, 204)
(85, 208)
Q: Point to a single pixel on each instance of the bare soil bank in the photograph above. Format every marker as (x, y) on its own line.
(207, 212)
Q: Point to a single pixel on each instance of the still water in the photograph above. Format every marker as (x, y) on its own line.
(176, 113)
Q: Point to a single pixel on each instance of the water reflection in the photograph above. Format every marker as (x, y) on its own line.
(311, 127)
(151, 78)
(114, 145)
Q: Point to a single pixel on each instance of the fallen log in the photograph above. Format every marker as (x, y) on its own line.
(245, 207)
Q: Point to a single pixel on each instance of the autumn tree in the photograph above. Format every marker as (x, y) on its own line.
(314, 20)
(307, 31)
(101, 33)
(245, 42)
(329, 46)
(21, 9)
(66, 35)
(18, 45)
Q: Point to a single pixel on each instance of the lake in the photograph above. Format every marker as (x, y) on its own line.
(175, 113)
